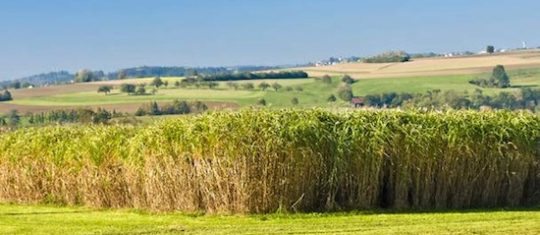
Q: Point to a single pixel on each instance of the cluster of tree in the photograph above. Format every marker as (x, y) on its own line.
(160, 71)
(499, 78)
(524, 99)
(326, 79)
(264, 85)
(5, 96)
(82, 115)
(11, 119)
(347, 79)
(106, 89)
(72, 116)
(132, 89)
(389, 57)
(253, 76)
(86, 75)
(331, 98)
(262, 102)
(425, 55)
(178, 71)
(345, 92)
(158, 82)
(490, 49)
(176, 107)
(196, 82)
(16, 84)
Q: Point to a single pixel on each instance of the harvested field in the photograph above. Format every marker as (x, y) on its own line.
(53, 90)
(431, 66)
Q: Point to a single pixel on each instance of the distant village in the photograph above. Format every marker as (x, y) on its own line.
(354, 59)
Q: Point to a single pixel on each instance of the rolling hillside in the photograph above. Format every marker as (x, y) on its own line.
(431, 66)
(417, 76)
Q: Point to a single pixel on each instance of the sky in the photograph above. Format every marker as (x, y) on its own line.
(41, 36)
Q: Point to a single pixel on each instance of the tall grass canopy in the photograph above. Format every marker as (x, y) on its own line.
(256, 161)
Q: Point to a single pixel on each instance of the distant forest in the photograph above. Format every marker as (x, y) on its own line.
(63, 77)
(254, 76)
(42, 79)
(158, 71)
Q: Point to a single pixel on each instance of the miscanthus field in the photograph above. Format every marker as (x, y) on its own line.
(257, 161)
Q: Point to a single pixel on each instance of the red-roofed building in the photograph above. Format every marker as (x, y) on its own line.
(357, 102)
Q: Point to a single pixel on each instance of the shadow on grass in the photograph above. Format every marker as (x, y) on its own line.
(524, 86)
(45, 213)
(469, 210)
(303, 214)
(289, 214)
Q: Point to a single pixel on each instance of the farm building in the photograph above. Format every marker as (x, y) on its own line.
(357, 102)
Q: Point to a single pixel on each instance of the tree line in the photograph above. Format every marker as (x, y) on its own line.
(254, 76)
(86, 75)
(525, 98)
(90, 76)
(99, 116)
(82, 115)
(180, 71)
(176, 107)
(389, 57)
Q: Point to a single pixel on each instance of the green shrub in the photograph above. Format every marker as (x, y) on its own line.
(345, 93)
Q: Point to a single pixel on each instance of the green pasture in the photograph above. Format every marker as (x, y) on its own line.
(518, 79)
(314, 93)
(18, 219)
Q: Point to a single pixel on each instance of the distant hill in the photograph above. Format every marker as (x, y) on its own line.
(150, 71)
(63, 77)
(180, 71)
(43, 79)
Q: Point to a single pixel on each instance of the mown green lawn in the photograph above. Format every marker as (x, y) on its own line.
(16, 219)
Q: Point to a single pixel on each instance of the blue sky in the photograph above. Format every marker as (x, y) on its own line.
(41, 36)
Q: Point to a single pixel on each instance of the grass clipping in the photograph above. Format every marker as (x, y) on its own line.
(287, 160)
